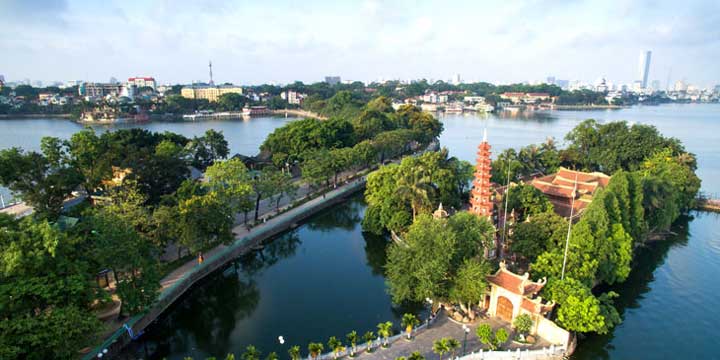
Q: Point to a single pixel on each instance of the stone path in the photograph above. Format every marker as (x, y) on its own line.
(442, 327)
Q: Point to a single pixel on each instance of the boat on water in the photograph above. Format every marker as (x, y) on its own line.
(454, 108)
(103, 117)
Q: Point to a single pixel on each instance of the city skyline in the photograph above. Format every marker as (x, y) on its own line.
(361, 40)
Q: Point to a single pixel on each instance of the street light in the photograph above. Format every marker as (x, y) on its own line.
(429, 300)
(466, 330)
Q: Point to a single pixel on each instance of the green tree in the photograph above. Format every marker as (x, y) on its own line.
(441, 347)
(501, 336)
(88, 155)
(352, 338)
(416, 356)
(526, 201)
(453, 346)
(369, 336)
(531, 238)
(294, 352)
(409, 321)
(251, 353)
(315, 349)
(205, 150)
(469, 285)
(272, 356)
(231, 180)
(204, 219)
(43, 181)
(485, 334)
(385, 330)
(474, 234)
(523, 323)
(579, 310)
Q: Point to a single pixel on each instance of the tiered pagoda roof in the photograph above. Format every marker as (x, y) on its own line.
(481, 196)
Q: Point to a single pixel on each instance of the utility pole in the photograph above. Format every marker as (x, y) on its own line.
(567, 240)
(211, 79)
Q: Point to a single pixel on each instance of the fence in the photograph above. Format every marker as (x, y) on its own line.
(118, 339)
(375, 343)
(551, 352)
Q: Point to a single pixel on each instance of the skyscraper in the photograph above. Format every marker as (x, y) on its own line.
(644, 67)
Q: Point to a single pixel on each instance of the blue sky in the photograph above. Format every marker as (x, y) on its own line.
(262, 41)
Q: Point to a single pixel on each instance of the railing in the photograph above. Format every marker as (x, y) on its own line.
(362, 347)
(551, 352)
(137, 323)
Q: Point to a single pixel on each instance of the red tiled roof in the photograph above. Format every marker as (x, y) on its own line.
(507, 281)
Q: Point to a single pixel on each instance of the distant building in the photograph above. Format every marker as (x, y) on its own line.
(141, 82)
(456, 79)
(563, 84)
(644, 67)
(655, 85)
(332, 80)
(550, 80)
(210, 93)
(2, 81)
(533, 97)
(99, 89)
(293, 97)
(680, 86)
(113, 80)
(514, 97)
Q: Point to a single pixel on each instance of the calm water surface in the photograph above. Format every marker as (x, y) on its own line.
(325, 277)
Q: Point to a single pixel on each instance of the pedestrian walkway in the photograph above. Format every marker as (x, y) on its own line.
(443, 327)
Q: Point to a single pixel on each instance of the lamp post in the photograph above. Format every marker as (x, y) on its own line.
(429, 301)
(466, 330)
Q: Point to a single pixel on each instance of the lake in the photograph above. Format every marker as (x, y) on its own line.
(325, 277)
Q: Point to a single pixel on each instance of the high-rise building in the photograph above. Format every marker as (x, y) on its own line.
(680, 86)
(332, 80)
(113, 80)
(644, 67)
(456, 79)
(550, 80)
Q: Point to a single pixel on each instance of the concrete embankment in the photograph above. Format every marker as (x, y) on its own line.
(299, 113)
(222, 255)
(35, 116)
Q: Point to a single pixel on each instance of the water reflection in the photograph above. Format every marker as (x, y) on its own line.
(647, 260)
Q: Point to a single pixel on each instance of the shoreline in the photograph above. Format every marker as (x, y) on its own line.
(298, 113)
(36, 116)
(244, 243)
(589, 107)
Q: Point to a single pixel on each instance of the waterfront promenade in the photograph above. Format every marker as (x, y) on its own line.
(175, 283)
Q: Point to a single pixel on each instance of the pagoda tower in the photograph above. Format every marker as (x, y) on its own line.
(480, 196)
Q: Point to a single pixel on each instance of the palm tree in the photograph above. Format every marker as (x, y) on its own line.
(230, 357)
(440, 347)
(384, 330)
(352, 338)
(409, 321)
(415, 186)
(272, 356)
(251, 353)
(416, 356)
(400, 358)
(453, 345)
(315, 349)
(334, 344)
(369, 337)
(294, 353)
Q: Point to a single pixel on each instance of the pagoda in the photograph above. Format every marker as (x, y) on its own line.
(480, 196)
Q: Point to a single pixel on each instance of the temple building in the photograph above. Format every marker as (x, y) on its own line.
(560, 189)
(481, 195)
(512, 295)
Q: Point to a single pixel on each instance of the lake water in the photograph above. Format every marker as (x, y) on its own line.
(325, 277)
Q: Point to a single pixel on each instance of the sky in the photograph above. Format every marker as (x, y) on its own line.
(265, 41)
